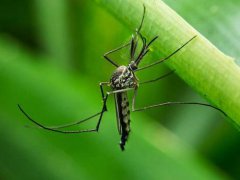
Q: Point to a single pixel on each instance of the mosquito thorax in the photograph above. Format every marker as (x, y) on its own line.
(122, 78)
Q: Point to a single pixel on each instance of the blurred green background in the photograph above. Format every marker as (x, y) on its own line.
(51, 63)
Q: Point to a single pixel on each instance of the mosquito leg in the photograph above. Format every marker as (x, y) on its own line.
(140, 26)
(167, 103)
(81, 121)
(179, 103)
(105, 101)
(119, 91)
(112, 51)
(57, 128)
(75, 123)
(156, 79)
(134, 99)
(166, 58)
(101, 84)
(133, 43)
(54, 129)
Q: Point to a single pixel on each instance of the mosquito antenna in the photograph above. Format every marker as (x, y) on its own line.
(151, 41)
(144, 50)
(180, 103)
(169, 56)
(140, 27)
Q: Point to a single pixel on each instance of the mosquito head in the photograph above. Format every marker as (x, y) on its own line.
(123, 77)
(132, 66)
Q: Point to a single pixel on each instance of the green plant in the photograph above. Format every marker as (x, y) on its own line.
(205, 68)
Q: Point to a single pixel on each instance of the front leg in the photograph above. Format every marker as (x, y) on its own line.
(112, 51)
(168, 57)
(156, 79)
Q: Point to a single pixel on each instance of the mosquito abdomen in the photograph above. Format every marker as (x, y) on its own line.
(124, 117)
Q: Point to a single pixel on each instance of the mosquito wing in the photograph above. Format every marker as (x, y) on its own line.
(117, 98)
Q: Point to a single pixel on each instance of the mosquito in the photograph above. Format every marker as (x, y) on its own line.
(123, 80)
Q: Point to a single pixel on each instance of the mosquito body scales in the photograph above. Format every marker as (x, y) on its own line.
(123, 78)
